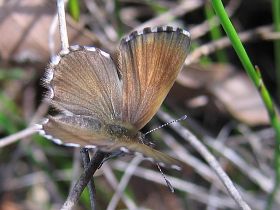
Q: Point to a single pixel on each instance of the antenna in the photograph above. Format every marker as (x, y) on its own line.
(166, 124)
(166, 180)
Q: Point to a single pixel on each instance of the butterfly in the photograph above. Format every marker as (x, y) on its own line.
(105, 100)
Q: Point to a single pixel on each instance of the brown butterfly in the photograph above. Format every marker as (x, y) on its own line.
(104, 101)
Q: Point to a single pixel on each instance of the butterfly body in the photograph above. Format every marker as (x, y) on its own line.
(105, 100)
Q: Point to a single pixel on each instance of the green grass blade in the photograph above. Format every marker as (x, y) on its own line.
(74, 9)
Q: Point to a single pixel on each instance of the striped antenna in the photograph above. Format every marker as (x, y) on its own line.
(166, 180)
(166, 124)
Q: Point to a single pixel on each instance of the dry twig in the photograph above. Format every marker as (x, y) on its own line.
(259, 33)
(17, 136)
(109, 175)
(190, 138)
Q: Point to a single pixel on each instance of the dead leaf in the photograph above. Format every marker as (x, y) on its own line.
(24, 29)
(231, 87)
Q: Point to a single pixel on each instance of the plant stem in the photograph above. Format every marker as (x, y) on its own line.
(91, 185)
(80, 185)
(62, 24)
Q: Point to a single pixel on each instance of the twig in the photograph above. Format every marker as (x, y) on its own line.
(76, 167)
(256, 143)
(124, 181)
(203, 169)
(252, 173)
(62, 25)
(109, 175)
(261, 33)
(179, 10)
(222, 136)
(188, 136)
(40, 112)
(27, 131)
(194, 191)
(101, 20)
(91, 185)
(51, 36)
(78, 188)
(199, 30)
(198, 165)
(266, 135)
(19, 135)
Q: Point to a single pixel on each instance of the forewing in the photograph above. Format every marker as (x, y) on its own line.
(84, 81)
(76, 130)
(149, 63)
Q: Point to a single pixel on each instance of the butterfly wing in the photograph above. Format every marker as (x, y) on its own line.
(149, 63)
(76, 130)
(85, 82)
(86, 131)
(84, 85)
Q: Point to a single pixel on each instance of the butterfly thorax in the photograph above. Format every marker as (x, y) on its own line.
(121, 130)
(124, 135)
